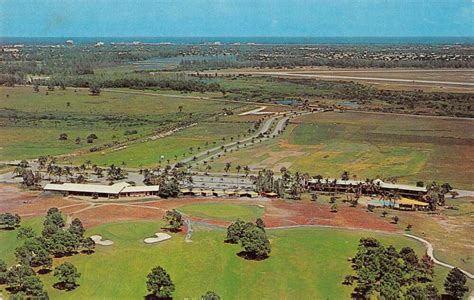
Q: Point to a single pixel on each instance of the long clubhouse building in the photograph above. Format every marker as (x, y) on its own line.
(117, 190)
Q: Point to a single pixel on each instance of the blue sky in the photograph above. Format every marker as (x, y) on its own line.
(101, 18)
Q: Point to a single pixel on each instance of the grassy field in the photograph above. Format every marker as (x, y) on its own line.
(304, 264)
(32, 122)
(149, 153)
(370, 145)
(222, 211)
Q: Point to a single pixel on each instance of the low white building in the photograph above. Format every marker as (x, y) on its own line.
(117, 190)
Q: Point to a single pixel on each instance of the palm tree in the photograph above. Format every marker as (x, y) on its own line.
(227, 167)
(238, 168)
(246, 170)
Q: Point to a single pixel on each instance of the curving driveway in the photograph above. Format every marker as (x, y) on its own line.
(429, 251)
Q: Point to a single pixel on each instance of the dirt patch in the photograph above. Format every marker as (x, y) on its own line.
(283, 213)
(28, 203)
(108, 213)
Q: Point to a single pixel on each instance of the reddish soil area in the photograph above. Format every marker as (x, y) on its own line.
(283, 213)
(28, 203)
(108, 213)
(277, 212)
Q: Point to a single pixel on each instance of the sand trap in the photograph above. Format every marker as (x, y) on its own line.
(98, 240)
(159, 238)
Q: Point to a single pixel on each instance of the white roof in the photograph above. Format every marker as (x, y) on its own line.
(400, 186)
(141, 188)
(382, 184)
(87, 188)
(116, 188)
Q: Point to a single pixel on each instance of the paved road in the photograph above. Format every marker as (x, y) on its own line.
(429, 251)
(304, 75)
(202, 155)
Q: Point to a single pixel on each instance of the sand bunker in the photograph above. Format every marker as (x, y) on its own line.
(159, 238)
(98, 240)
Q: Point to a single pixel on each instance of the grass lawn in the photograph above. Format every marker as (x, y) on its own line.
(307, 263)
(30, 123)
(368, 145)
(148, 153)
(223, 211)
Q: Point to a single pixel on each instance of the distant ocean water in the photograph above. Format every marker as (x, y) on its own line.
(243, 40)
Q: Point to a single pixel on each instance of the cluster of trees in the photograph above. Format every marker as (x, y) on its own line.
(387, 272)
(9, 221)
(252, 238)
(115, 173)
(95, 83)
(174, 220)
(37, 251)
(440, 103)
(291, 62)
(293, 184)
(160, 285)
(167, 178)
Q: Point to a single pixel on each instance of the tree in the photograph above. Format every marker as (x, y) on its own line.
(159, 283)
(395, 219)
(88, 244)
(314, 196)
(16, 275)
(255, 243)
(67, 275)
(9, 220)
(63, 136)
(34, 253)
(455, 284)
(210, 295)
(235, 231)
(416, 292)
(174, 220)
(94, 89)
(32, 286)
(77, 229)
(54, 216)
(426, 266)
(227, 167)
(3, 271)
(431, 292)
(36, 88)
(63, 243)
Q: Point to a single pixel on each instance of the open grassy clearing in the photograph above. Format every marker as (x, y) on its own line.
(305, 263)
(31, 122)
(179, 144)
(370, 145)
(222, 211)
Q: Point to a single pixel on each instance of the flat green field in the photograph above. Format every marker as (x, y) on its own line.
(30, 123)
(304, 263)
(149, 153)
(370, 145)
(222, 211)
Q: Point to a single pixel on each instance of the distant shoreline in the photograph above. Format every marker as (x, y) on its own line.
(243, 40)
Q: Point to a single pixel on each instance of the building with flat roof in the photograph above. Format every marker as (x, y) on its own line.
(116, 190)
